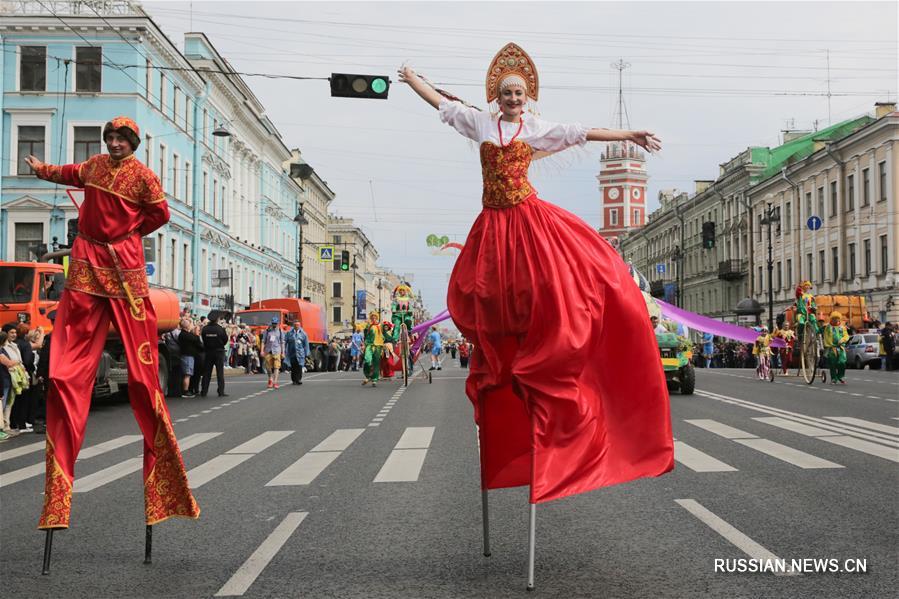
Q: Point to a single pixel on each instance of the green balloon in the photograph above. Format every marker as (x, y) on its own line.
(444, 240)
(433, 240)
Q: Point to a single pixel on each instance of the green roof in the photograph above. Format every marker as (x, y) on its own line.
(774, 159)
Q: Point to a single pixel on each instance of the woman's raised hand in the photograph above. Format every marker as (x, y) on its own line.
(647, 140)
(406, 73)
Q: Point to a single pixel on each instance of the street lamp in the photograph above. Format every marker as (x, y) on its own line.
(772, 215)
(380, 286)
(355, 307)
(300, 220)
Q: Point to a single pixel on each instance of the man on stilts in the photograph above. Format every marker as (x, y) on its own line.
(107, 281)
(375, 338)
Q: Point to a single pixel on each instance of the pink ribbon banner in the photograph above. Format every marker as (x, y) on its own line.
(710, 325)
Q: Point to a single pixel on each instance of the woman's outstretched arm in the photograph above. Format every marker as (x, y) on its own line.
(427, 93)
(644, 139)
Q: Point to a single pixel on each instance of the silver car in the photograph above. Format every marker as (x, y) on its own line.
(862, 350)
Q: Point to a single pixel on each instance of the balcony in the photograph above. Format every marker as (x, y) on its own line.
(732, 270)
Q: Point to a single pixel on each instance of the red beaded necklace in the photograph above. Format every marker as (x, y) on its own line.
(499, 128)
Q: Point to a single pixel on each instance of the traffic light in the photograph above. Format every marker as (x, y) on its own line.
(345, 260)
(344, 85)
(708, 235)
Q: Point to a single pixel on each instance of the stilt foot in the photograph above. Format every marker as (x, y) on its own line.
(48, 545)
(148, 545)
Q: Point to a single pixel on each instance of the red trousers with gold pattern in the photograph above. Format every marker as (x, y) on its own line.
(79, 334)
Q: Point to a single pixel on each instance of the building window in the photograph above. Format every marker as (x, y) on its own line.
(779, 275)
(613, 217)
(867, 256)
(28, 237)
(88, 69)
(188, 184)
(636, 217)
(215, 197)
(176, 165)
(205, 192)
(176, 104)
(335, 265)
(833, 198)
(851, 260)
(336, 315)
(31, 141)
(761, 284)
(808, 204)
(173, 261)
(336, 239)
(810, 265)
(163, 173)
(884, 255)
(866, 187)
(186, 284)
(336, 289)
(162, 87)
(148, 147)
(789, 270)
(822, 275)
(850, 193)
(788, 220)
(205, 125)
(160, 254)
(820, 202)
(148, 85)
(882, 175)
(86, 143)
(835, 263)
(33, 69)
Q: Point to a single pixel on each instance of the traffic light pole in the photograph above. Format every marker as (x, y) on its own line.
(771, 216)
(300, 264)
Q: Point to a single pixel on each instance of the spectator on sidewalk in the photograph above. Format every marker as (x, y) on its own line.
(273, 348)
(190, 347)
(297, 350)
(214, 341)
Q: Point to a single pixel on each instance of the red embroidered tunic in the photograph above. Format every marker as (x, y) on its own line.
(123, 201)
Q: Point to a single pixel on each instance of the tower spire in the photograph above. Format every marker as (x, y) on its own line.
(621, 112)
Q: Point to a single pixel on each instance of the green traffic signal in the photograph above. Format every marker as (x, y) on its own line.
(345, 85)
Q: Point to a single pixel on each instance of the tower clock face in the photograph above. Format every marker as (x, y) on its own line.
(636, 193)
(614, 193)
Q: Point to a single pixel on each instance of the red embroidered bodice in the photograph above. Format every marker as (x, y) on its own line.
(505, 173)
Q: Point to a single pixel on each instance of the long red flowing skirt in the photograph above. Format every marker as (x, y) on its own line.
(566, 379)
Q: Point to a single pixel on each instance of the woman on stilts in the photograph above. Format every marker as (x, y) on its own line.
(546, 301)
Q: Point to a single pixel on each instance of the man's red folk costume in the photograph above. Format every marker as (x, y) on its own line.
(107, 281)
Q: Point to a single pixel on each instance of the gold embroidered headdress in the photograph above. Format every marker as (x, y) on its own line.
(512, 63)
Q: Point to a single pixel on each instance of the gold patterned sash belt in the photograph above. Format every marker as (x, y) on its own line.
(135, 303)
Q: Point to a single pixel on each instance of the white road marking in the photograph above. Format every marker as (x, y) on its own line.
(85, 454)
(866, 424)
(874, 449)
(787, 454)
(117, 471)
(402, 465)
(247, 574)
(416, 438)
(734, 536)
(261, 442)
(377, 420)
(207, 471)
(305, 470)
(206, 411)
(339, 439)
(181, 420)
(698, 461)
(374, 424)
(408, 456)
(721, 429)
(24, 450)
(796, 427)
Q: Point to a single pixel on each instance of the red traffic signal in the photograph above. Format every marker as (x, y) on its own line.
(344, 85)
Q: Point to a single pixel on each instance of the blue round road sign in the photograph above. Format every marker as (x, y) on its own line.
(814, 223)
(151, 268)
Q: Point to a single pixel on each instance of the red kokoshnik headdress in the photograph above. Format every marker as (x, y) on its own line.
(512, 61)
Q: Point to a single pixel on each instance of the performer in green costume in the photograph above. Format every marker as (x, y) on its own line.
(375, 338)
(835, 338)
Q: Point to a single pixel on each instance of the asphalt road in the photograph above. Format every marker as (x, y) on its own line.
(337, 490)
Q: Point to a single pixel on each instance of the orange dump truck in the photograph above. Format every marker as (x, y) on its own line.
(852, 307)
(258, 316)
(30, 292)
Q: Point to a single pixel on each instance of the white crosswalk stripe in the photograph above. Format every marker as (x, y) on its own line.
(766, 446)
(85, 454)
(24, 450)
(122, 469)
(698, 461)
(202, 474)
(309, 466)
(408, 456)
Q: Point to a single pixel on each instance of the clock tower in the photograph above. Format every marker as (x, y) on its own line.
(622, 188)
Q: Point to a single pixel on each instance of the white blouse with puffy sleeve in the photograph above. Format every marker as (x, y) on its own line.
(480, 126)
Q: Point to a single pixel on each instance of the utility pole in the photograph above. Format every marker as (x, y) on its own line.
(300, 220)
(772, 215)
(355, 307)
(679, 257)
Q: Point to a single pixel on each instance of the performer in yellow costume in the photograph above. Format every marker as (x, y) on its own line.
(835, 338)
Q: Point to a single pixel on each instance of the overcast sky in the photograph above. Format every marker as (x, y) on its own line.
(709, 78)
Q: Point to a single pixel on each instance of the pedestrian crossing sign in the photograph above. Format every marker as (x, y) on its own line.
(326, 253)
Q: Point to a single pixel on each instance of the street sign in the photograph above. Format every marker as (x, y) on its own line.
(151, 269)
(326, 253)
(814, 223)
(660, 268)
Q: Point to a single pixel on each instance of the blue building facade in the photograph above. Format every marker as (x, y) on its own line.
(232, 204)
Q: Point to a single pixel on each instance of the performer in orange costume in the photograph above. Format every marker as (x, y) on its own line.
(123, 201)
